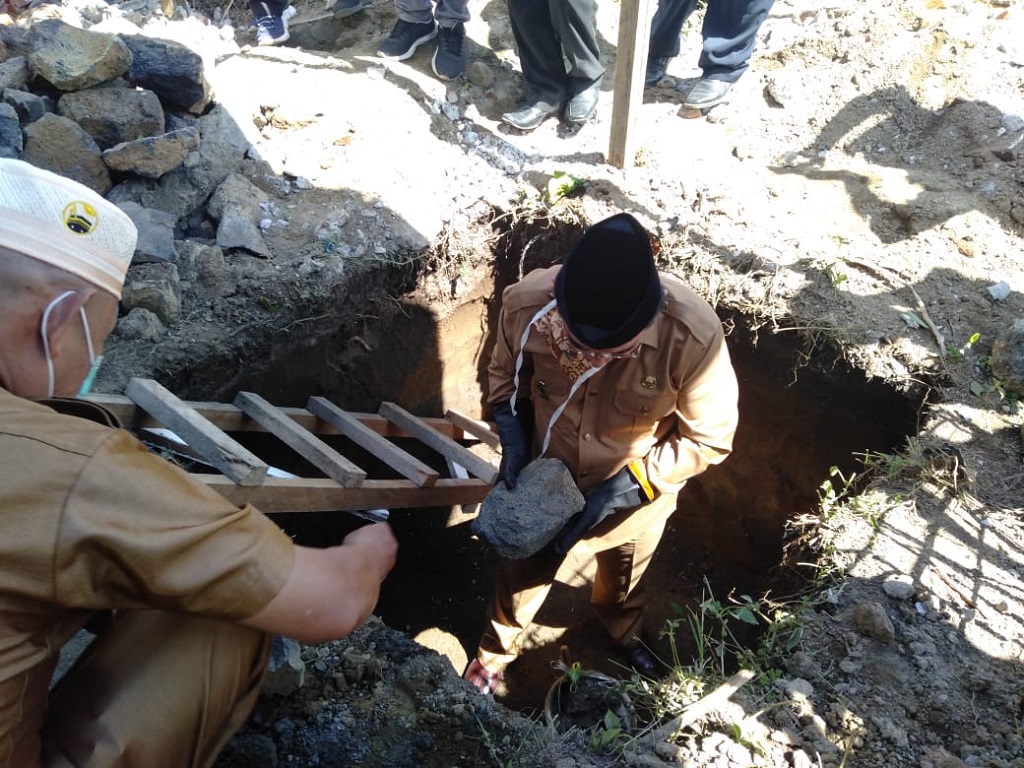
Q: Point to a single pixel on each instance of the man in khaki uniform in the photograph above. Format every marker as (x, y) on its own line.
(91, 522)
(622, 374)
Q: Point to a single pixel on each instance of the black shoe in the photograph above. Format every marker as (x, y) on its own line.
(405, 38)
(656, 70)
(643, 661)
(450, 57)
(530, 116)
(707, 93)
(583, 105)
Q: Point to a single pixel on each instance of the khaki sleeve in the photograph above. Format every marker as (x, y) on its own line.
(706, 418)
(501, 368)
(137, 531)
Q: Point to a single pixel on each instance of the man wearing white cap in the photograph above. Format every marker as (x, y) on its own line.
(91, 522)
(623, 374)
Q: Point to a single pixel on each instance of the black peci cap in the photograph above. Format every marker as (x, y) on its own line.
(608, 288)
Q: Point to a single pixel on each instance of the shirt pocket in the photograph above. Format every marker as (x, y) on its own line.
(642, 411)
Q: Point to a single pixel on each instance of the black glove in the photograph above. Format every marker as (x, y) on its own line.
(620, 491)
(515, 448)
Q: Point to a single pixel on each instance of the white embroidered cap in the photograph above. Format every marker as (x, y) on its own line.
(66, 224)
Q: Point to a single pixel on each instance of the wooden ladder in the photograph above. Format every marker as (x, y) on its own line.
(201, 431)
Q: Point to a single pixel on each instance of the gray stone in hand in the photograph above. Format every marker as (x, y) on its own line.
(521, 522)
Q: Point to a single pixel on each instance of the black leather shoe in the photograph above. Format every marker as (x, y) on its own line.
(530, 116)
(643, 661)
(707, 93)
(583, 105)
(655, 67)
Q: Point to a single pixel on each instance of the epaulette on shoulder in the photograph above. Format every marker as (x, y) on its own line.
(685, 306)
(535, 290)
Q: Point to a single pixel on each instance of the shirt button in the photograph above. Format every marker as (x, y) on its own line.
(644, 409)
(588, 437)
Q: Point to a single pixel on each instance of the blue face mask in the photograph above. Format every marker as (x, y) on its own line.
(94, 360)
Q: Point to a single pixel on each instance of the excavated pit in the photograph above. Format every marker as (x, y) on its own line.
(800, 415)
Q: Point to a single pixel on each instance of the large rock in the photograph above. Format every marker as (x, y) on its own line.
(62, 146)
(113, 116)
(156, 287)
(71, 59)
(29, 106)
(152, 156)
(156, 233)
(172, 70)
(236, 207)
(521, 522)
(187, 187)
(14, 73)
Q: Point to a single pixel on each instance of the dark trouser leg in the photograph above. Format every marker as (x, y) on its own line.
(575, 25)
(667, 25)
(617, 596)
(730, 32)
(159, 690)
(540, 52)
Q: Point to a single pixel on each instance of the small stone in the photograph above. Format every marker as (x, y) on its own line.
(899, 587)
(1000, 291)
(872, 621)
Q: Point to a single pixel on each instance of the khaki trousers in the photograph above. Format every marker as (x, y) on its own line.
(623, 546)
(159, 689)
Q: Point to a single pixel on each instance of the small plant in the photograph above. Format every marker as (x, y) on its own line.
(831, 494)
(957, 354)
(605, 736)
(561, 184)
(572, 674)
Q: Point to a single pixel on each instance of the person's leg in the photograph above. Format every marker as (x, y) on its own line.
(450, 55)
(451, 12)
(667, 26)
(414, 27)
(415, 11)
(730, 32)
(159, 690)
(617, 595)
(540, 52)
(575, 24)
(521, 589)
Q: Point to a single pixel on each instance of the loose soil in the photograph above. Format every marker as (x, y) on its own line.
(846, 210)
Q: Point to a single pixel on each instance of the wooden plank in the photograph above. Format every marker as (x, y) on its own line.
(205, 438)
(302, 441)
(231, 419)
(406, 465)
(478, 429)
(628, 87)
(322, 494)
(440, 443)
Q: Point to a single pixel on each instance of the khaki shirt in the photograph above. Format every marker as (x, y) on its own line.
(674, 406)
(91, 520)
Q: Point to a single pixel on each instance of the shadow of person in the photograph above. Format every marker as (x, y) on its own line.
(875, 146)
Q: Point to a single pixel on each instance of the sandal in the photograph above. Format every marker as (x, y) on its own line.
(483, 680)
